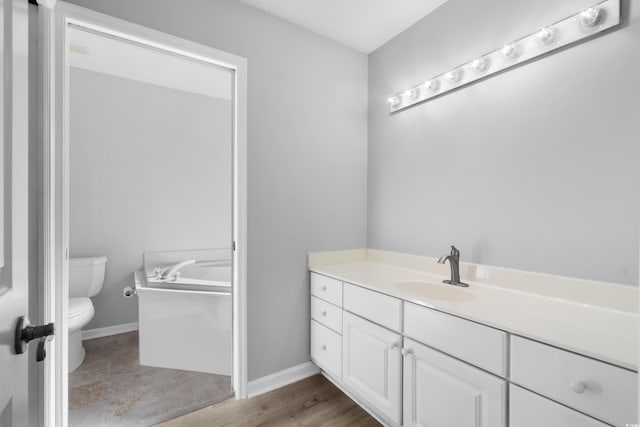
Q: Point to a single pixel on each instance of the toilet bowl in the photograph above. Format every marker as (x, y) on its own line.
(86, 276)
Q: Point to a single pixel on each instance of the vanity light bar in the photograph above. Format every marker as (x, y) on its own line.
(568, 31)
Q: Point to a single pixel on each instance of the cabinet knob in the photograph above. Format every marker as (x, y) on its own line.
(406, 351)
(324, 312)
(394, 345)
(323, 347)
(577, 386)
(324, 287)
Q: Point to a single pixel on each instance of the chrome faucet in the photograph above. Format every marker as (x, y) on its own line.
(454, 263)
(171, 272)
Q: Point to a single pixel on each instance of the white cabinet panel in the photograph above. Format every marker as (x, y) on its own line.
(445, 392)
(326, 349)
(528, 409)
(475, 343)
(326, 288)
(372, 365)
(604, 391)
(377, 307)
(327, 314)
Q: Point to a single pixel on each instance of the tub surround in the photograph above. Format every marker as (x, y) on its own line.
(176, 312)
(595, 319)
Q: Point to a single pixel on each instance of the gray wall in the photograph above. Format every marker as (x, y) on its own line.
(306, 155)
(150, 170)
(536, 168)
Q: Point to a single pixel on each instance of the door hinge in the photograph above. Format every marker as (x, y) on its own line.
(233, 245)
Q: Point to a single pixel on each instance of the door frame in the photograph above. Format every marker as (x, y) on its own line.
(54, 22)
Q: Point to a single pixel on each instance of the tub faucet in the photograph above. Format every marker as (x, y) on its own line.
(171, 272)
(454, 263)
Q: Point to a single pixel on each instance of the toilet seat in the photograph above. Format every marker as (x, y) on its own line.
(80, 312)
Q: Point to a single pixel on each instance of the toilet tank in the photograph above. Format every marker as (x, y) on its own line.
(86, 276)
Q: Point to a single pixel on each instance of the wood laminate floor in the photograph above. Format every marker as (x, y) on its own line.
(313, 401)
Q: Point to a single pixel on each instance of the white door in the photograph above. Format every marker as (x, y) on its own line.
(372, 365)
(14, 409)
(440, 391)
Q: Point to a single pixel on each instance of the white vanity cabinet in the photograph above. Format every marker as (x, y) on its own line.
(412, 365)
(372, 366)
(326, 324)
(440, 390)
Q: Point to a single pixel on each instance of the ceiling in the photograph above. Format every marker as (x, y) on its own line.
(363, 25)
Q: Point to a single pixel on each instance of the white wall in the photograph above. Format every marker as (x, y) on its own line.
(307, 112)
(150, 170)
(535, 168)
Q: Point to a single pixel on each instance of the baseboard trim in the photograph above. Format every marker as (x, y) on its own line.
(90, 334)
(281, 378)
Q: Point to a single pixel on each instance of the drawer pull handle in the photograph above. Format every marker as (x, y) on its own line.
(324, 312)
(406, 351)
(323, 347)
(577, 386)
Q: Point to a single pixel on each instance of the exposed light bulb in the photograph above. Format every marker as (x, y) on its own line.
(454, 76)
(510, 51)
(414, 93)
(582, 25)
(480, 64)
(433, 85)
(546, 36)
(590, 17)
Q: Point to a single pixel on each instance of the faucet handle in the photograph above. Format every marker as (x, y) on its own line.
(455, 252)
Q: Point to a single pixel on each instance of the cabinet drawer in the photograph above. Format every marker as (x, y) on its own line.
(527, 409)
(327, 314)
(326, 349)
(479, 345)
(381, 309)
(326, 288)
(604, 391)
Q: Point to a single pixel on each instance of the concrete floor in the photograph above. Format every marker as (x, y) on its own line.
(110, 388)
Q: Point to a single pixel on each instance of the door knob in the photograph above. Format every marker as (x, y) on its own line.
(25, 332)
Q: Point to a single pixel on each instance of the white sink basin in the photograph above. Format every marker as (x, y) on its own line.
(435, 291)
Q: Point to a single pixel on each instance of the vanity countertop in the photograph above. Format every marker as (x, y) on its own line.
(594, 319)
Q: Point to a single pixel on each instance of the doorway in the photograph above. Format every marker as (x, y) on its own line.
(158, 168)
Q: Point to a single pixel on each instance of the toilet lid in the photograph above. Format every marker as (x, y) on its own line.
(79, 306)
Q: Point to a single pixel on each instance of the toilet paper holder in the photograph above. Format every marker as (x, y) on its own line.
(129, 292)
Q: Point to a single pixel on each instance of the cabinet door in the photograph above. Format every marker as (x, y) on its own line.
(371, 365)
(440, 391)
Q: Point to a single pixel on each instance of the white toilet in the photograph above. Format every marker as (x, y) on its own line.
(86, 276)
